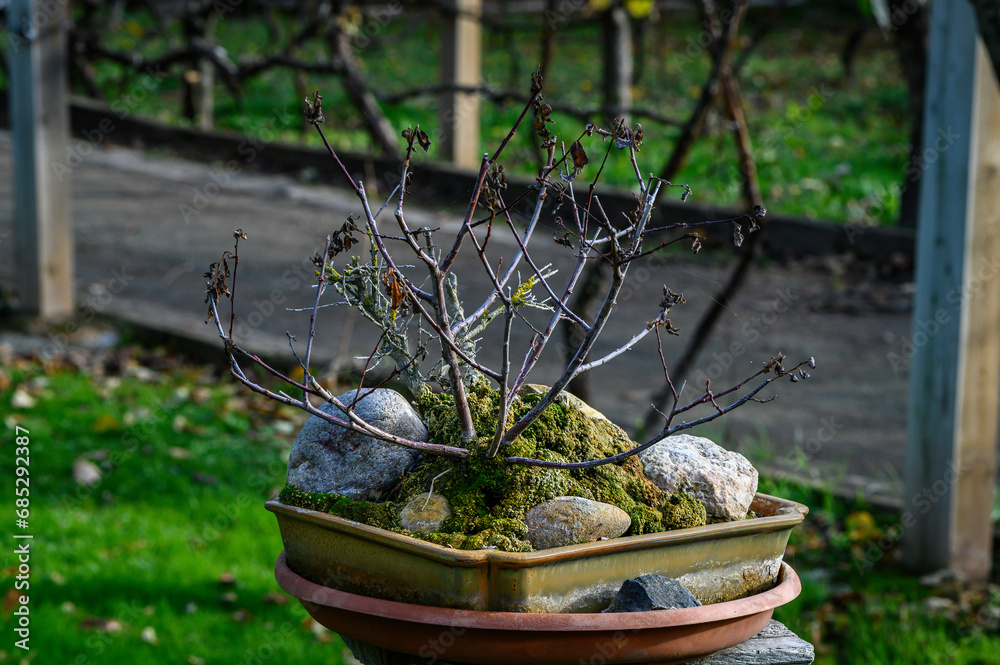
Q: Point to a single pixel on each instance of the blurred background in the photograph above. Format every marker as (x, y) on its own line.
(176, 122)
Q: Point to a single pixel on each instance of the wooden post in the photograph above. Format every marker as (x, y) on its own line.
(955, 349)
(461, 60)
(204, 88)
(40, 122)
(617, 63)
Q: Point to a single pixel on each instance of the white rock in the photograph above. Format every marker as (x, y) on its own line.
(724, 481)
(328, 458)
(565, 398)
(567, 520)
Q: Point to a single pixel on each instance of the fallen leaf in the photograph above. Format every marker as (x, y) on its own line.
(242, 616)
(101, 624)
(86, 472)
(105, 423)
(137, 415)
(22, 400)
(141, 373)
(861, 527)
(176, 452)
(39, 382)
(203, 478)
(10, 600)
(937, 605)
(275, 597)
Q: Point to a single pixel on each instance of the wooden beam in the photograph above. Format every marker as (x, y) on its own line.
(955, 348)
(618, 65)
(40, 122)
(461, 66)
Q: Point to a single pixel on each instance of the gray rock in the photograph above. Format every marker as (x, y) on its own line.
(328, 458)
(652, 592)
(425, 513)
(724, 481)
(567, 520)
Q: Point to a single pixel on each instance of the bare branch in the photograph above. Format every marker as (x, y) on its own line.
(667, 431)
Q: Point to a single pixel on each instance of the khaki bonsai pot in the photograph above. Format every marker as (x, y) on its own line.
(717, 563)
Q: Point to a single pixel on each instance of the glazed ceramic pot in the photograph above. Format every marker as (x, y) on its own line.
(717, 563)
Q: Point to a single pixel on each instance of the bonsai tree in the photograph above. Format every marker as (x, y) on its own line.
(430, 336)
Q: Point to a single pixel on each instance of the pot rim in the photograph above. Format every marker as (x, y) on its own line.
(787, 514)
(786, 589)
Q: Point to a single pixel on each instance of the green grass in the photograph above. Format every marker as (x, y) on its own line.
(827, 147)
(187, 462)
(186, 469)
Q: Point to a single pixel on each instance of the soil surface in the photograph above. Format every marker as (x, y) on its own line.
(140, 256)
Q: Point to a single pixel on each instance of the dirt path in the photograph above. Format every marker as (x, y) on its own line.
(140, 256)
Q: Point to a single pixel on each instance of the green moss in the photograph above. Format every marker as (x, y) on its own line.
(382, 515)
(681, 511)
(489, 497)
